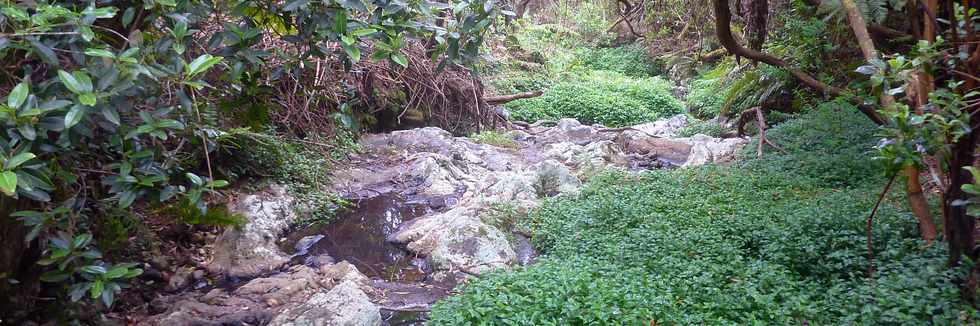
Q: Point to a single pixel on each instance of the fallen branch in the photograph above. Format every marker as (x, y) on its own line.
(621, 129)
(501, 99)
(714, 55)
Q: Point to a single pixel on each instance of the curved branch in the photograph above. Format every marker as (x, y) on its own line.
(723, 18)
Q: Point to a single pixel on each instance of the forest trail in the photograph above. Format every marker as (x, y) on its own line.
(429, 210)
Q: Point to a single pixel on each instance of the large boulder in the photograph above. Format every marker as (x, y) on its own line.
(253, 303)
(251, 250)
(346, 304)
(705, 149)
(661, 128)
(457, 239)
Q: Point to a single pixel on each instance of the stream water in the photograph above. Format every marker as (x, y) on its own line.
(358, 234)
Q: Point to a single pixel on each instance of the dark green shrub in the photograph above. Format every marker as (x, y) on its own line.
(709, 128)
(601, 97)
(831, 144)
(631, 60)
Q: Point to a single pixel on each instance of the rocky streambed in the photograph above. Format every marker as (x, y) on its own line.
(421, 223)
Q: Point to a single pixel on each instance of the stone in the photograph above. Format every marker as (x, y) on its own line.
(180, 279)
(661, 128)
(344, 305)
(457, 239)
(705, 149)
(552, 178)
(252, 250)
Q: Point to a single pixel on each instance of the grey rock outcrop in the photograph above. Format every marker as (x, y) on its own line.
(252, 250)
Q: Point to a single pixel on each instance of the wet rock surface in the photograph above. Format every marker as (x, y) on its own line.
(419, 224)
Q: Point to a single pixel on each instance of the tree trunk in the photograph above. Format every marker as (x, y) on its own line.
(958, 226)
(19, 282)
(919, 205)
(756, 17)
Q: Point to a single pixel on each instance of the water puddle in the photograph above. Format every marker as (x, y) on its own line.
(358, 235)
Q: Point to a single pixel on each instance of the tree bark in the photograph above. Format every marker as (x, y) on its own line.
(958, 226)
(756, 17)
(919, 205)
(723, 18)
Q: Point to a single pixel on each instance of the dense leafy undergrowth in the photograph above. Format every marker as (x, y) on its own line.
(581, 74)
(778, 240)
(602, 97)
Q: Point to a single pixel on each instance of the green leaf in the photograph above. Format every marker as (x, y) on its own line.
(971, 189)
(101, 12)
(96, 289)
(128, 15)
(15, 13)
(201, 64)
(55, 276)
(400, 59)
(99, 53)
(111, 114)
(219, 183)
(93, 269)
(87, 34)
(74, 116)
(84, 81)
(87, 99)
(133, 273)
(363, 32)
(196, 180)
(27, 131)
(126, 198)
(108, 297)
(18, 95)
(70, 82)
(81, 240)
(18, 159)
(353, 52)
(8, 182)
(116, 272)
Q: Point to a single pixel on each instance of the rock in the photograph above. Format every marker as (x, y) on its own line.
(320, 260)
(180, 279)
(705, 149)
(252, 250)
(198, 274)
(345, 304)
(151, 274)
(661, 128)
(666, 149)
(158, 260)
(457, 239)
(248, 304)
(428, 139)
(553, 178)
